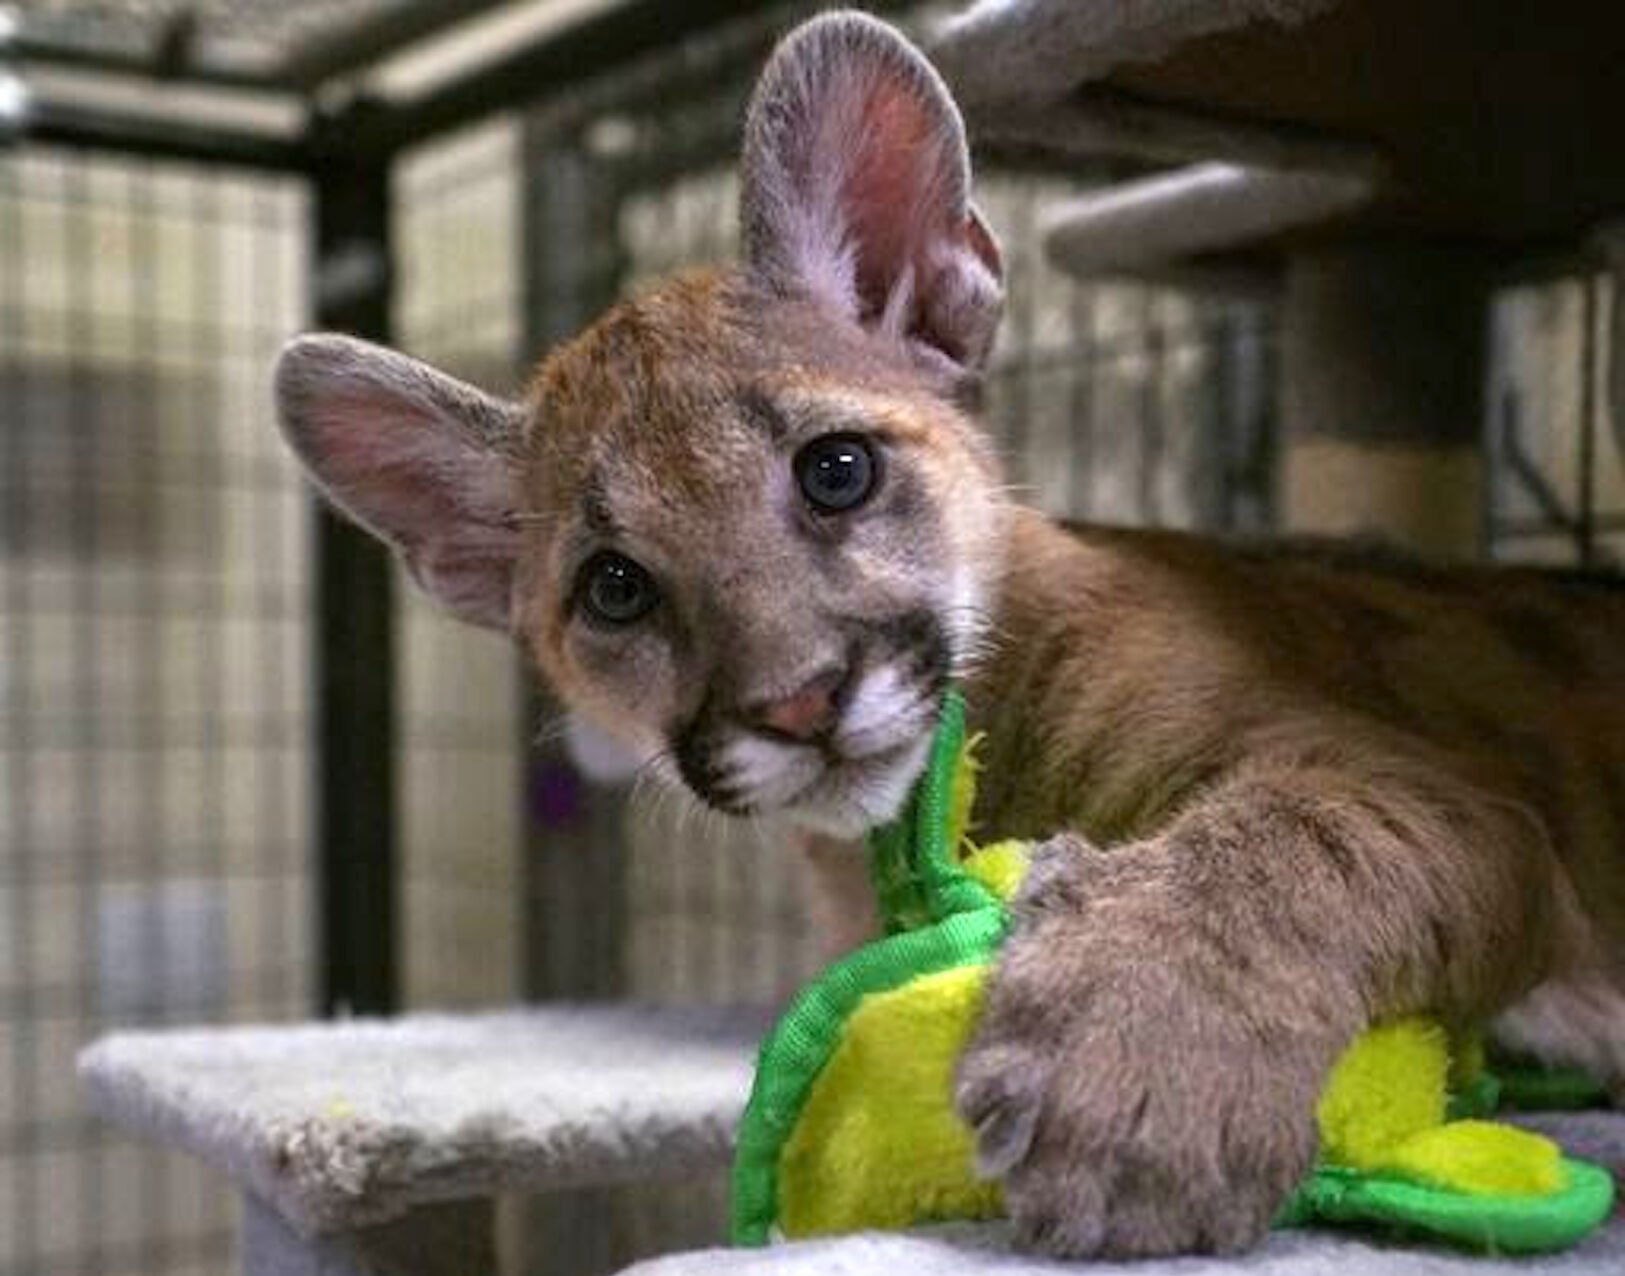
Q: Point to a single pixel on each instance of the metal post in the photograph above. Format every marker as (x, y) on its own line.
(1382, 368)
(454, 1238)
(355, 641)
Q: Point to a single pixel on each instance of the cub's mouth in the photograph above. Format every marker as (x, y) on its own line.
(856, 769)
(852, 796)
(840, 785)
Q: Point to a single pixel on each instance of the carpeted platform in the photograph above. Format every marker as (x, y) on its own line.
(340, 1125)
(985, 1251)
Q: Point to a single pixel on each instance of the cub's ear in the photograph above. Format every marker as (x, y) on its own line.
(856, 189)
(423, 461)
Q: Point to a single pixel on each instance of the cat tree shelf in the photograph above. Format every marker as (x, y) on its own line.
(1380, 162)
(376, 1147)
(1491, 126)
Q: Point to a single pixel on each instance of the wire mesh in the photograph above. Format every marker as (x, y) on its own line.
(459, 750)
(154, 823)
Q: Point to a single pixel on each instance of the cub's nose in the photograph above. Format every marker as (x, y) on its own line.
(807, 713)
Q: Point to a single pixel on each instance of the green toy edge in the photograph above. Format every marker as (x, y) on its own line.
(916, 876)
(1533, 1088)
(799, 1046)
(1489, 1222)
(967, 926)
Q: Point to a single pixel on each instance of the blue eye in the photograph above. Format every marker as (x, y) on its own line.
(615, 590)
(836, 472)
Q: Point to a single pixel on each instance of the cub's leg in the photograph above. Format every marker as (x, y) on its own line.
(840, 902)
(1573, 1020)
(1164, 1014)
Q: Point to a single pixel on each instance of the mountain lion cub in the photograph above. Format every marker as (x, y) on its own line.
(744, 524)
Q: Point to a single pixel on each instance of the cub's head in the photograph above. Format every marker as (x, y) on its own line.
(739, 521)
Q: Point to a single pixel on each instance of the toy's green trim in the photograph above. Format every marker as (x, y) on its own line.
(1533, 1088)
(939, 918)
(802, 1042)
(1527, 1087)
(1508, 1224)
(916, 875)
(1478, 1098)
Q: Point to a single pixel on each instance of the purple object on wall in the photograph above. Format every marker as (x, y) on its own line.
(554, 793)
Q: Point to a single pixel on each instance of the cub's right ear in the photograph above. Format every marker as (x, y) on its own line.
(425, 462)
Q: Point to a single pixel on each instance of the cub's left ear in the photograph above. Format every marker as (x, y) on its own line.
(856, 190)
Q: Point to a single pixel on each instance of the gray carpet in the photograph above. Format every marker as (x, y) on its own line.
(986, 1252)
(338, 1125)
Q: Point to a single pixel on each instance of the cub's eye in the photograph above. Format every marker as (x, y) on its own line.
(615, 590)
(836, 472)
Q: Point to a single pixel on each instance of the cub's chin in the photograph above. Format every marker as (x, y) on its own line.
(840, 784)
(853, 796)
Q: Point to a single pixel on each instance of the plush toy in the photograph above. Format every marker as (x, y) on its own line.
(851, 1125)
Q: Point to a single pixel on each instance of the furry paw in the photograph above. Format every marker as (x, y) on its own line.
(1123, 1080)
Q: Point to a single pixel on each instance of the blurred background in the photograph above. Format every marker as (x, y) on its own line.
(245, 774)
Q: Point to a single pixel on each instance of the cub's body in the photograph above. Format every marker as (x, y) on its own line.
(1165, 658)
(745, 524)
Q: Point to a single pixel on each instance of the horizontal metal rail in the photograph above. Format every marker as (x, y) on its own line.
(303, 67)
(64, 123)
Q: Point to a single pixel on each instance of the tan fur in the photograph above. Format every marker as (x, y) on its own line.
(1280, 794)
(653, 408)
(1335, 792)
(1153, 666)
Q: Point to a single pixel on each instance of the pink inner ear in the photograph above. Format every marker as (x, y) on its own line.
(368, 464)
(426, 463)
(898, 192)
(415, 481)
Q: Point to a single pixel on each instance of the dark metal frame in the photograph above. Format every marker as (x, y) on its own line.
(348, 152)
(174, 55)
(555, 63)
(1574, 517)
(354, 657)
(347, 148)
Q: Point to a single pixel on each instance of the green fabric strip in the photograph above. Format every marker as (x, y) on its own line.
(1479, 1098)
(1505, 1224)
(939, 918)
(807, 1035)
(916, 874)
(1532, 1088)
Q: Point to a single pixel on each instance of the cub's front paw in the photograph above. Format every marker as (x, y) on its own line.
(1132, 1095)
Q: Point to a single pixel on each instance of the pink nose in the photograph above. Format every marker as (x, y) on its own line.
(808, 712)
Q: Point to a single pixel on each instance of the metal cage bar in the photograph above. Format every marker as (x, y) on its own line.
(354, 650)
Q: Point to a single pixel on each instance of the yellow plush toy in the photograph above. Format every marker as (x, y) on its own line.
(851, 1123)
